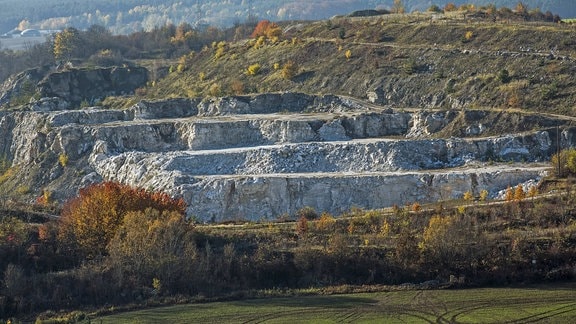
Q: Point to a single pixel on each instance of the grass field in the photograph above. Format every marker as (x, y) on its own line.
(554, 304)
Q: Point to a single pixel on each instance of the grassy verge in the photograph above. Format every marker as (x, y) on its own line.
(488, 305)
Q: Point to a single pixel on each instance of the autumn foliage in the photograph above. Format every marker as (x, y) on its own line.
(90, 221)
(267, 29)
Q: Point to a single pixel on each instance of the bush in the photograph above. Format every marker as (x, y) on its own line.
(267, 29)
(504, 76)
(564, 163)
(253, 69)
(89, 221)
(150, 244)
(289, 70)
(307, 212)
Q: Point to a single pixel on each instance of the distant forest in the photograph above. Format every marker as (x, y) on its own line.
(128, 16)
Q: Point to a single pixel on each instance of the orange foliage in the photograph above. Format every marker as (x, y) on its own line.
(450, 7)
(267, 29)
(90, 220)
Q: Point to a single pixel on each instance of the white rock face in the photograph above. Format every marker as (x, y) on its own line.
(258, 157)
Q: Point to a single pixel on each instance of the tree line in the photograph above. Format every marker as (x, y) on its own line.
(117, 245)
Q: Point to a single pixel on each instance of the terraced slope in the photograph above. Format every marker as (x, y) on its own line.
(263, 156)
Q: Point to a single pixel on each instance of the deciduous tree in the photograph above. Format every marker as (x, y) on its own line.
(90, 221)
(65, 42)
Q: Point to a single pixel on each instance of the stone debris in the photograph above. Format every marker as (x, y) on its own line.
(262, 156)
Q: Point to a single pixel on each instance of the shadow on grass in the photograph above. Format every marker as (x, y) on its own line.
(311, 301)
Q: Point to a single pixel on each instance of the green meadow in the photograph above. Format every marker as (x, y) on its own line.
(554, 304)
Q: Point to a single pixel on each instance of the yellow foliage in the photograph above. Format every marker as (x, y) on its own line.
(509, 194)
(150, 239)
(351, 228)
(385, 228)
(532, 192)
(483, 195)
(289, 70)
(215, 90)
(461, 209)
(326, 222)
(436, 231)
(22, 190)
(260, 42)
(519, 193)
(63, 159)
(253, 69)
(90, 220)
(65, 42)
(348, 54)
(468, 196)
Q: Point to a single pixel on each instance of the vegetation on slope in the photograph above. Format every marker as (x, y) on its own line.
(412, 60)
(156, 256)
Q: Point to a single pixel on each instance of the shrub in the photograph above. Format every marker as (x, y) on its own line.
(326, 222)
(63, 159)
(549, 91)
(267, 29)
(564, 163)
(348, 54)
(151, 243)
(13, 232)
(434, 8)
(302, 226)
(307, 212)
(519, 193)
(483, 195)
(410, 66)
(215, 90)
(504, 76)
(253, 69)
(89, 221)
(509, 196)
(450, 7)
(289, 70)
(237, 87)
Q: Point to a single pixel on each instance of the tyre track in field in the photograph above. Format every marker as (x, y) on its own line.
(278, 315)
(549, 315)
(349, 317)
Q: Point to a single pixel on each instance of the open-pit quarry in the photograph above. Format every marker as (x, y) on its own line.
(265, 156)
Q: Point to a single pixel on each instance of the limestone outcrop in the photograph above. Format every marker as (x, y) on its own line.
(258, 157)
(68, 88)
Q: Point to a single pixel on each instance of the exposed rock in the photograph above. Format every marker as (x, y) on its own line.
(22, 84)
(232, 158)
(377, 96)
(92, 84)
(49, 104)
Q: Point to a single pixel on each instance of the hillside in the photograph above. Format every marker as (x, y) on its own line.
(423, 61)
(259, 128)
(330, 156)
